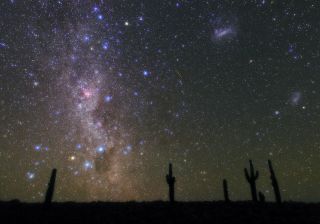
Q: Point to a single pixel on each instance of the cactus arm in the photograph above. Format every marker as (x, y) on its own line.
(251, 168)
(246, 174)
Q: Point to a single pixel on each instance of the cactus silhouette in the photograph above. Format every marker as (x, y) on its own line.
(50, 189)
(274, 183)
(262, 198)
(171, 181)
(251, 178)
(225, 191)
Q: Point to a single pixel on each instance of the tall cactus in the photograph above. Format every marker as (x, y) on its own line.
(171, 181)
(225, 191)
(251, 178)
(50, 189)
(274, 183)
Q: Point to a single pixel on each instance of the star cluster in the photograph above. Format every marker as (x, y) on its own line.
(110, 92)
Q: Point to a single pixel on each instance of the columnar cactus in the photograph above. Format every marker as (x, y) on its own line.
(225, 191)
(171, 181)
(50, 189)
(274, 183)
(251, 178)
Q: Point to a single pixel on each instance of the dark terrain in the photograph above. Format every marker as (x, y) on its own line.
(160, 212)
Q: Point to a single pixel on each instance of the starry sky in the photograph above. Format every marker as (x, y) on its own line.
(110, 91)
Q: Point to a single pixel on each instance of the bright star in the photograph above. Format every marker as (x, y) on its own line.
(107, 98)
(146, 73)
(86, 38)
(37, 147)
(127, 149)
(95, 9)
(87, 165)
(101, 149)
(30, 175)
(105, 45)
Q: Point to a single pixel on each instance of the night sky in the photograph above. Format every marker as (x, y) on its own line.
(109, 92)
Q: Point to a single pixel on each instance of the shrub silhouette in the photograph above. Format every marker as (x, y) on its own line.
(251, 178)
(171, 181)
(262, 198)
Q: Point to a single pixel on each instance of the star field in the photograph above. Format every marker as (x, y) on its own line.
(109, 92)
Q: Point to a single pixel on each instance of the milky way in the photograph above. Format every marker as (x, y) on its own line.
(97, 105)
(110, 92)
